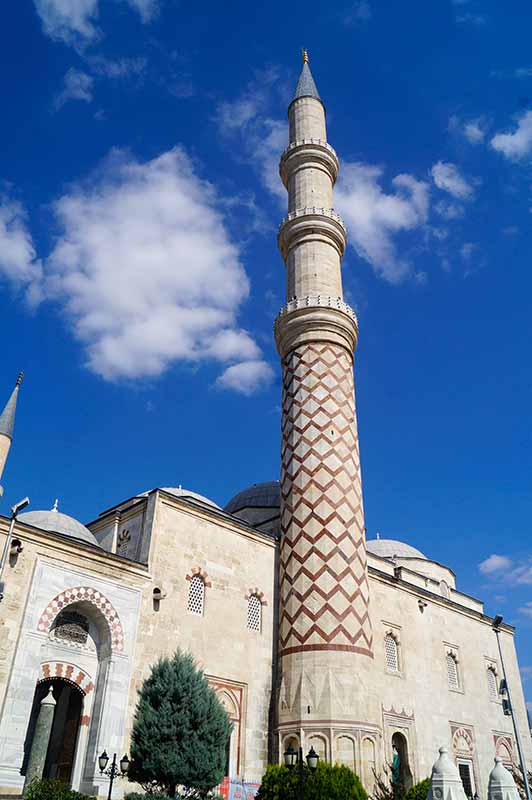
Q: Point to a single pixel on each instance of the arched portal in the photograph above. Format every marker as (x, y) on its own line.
(64, 733)
(402, 774)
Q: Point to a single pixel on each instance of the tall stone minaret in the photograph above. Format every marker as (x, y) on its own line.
(325, 631)
(7, 424)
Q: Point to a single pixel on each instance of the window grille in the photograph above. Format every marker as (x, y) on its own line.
(465, 775)
(391, 653)
(71, 627)
(254, 613)
(452, 671)
(123, 543)
(492, 683)
(196, 595)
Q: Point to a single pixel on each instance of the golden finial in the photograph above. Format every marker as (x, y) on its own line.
(305, 56)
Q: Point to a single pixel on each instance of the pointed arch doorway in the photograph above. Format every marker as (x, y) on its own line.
(64, 733)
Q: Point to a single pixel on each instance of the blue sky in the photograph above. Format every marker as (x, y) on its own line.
(139, 272)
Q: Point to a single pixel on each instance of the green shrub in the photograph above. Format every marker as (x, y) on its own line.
(419, 791)
(327, 783)
(142, 796)
(52, 790)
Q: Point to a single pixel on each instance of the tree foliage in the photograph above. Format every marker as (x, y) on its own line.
(384, 789)
(327, 783)
(44, 789)
(180, 731)
(418, 791)
(517, 772)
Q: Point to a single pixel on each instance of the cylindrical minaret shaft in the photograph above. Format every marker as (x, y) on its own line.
(7, 424)
(324, 622)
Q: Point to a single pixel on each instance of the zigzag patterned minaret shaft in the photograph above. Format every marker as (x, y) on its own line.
(323, 582)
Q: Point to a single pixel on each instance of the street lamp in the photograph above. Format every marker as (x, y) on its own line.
(291, 758)
(113, 771)
(508, 705)
(17, 508)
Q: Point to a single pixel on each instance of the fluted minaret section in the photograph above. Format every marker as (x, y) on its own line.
(324, 593)
(7, 425)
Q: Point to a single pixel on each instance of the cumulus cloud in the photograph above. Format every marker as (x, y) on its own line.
(447, 177)
(474, 130)
(146, 271)
(246, 377)
(373, 216)
(518, 143)
(495, 563)
(505, 569)
(19, 264)
(77, 85)
(73, 21)
(527, 611)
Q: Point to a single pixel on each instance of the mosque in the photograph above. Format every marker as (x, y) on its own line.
(309, 634)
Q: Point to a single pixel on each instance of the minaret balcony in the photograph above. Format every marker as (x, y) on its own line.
(307, 224)
(305, 153)
(315, 318)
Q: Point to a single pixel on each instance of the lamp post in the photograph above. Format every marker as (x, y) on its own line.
(113, 771)
(291, 758)
(510, 708)
(14, 511)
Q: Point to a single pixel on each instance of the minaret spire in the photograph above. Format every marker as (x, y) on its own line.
(7, 424)
(325, 638)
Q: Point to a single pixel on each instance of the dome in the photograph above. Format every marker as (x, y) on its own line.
(260, 495)
(56, 522)
(388, 548)
(186, 494)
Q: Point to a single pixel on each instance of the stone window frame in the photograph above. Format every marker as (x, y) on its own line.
(395, 632)
(452, 651)
(263, 602)
(197, 572)
(491, 666)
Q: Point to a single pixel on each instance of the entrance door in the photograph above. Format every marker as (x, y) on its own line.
(65, 727)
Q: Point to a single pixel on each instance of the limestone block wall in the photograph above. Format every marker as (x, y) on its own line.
(50, 575)
(417, 699)
(233, 561)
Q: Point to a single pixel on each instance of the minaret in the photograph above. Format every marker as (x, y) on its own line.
(325, 631)
(7, 424)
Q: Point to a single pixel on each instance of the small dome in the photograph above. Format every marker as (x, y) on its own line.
(186, 494)
(260, 495)
(56, 522)
(388, 548)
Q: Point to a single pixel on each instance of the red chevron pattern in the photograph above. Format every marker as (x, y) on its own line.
(324, 584)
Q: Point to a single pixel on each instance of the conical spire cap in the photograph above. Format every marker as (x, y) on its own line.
(305, 85)
(7, 417)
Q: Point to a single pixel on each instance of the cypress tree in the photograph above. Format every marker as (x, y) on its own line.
(180, 730)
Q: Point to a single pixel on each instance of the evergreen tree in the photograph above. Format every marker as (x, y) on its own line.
(180, 730)
(328, 782)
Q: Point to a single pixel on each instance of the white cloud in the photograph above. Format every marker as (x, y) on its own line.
(473, 132)
(146, 272)
(373, 217)
(478, 20)
(73, 21)
(77, 85)
(495, 563)
(119, 68)
(527, 611)
(449, 210)
(262, 138)
(246, 377)
(19, 265)
(516, 144)
(447, 177)
(68, 20)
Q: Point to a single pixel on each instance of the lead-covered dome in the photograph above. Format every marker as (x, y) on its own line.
(57, 522)
(388, 548)
(185, 494)
(259, 506)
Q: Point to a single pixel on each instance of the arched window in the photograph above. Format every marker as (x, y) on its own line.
(391, 652)
(254, 613)
(196, 595)
(452, 671)
(493, 687)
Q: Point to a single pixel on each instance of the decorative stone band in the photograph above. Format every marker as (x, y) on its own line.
(312, 224)
(314, 153)
(68, 672)
(258, 594)
(85, 594)
(323, 594)
(315, 318)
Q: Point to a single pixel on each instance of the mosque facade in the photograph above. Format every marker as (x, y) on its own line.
(311, 635)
